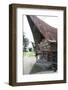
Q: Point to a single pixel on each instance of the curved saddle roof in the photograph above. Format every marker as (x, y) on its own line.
(47, 31)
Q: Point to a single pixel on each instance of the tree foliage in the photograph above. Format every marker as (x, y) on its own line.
(25, 42)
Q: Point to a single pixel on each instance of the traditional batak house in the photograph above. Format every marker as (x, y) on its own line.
(45, 37)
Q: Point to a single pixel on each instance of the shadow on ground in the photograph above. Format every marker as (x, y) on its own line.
(42, 65)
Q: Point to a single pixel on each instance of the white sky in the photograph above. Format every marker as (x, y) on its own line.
(51, 20)
(27, 29)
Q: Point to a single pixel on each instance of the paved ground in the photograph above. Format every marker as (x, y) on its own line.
(28, 64)
(33, 66)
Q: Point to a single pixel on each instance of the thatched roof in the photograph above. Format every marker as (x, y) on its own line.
(38, 26)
